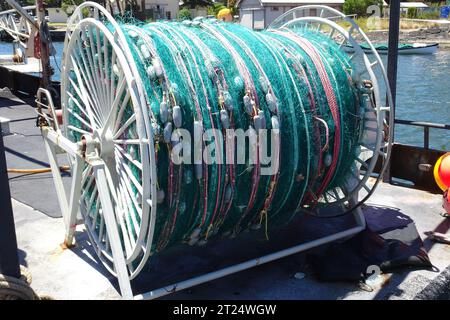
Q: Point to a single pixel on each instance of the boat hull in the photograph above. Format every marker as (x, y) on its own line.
(428, 49)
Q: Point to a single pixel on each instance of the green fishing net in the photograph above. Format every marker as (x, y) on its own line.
(206, 74)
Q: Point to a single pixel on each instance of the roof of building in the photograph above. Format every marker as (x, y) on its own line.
(413, 5)
(303, 1)
(288, 2)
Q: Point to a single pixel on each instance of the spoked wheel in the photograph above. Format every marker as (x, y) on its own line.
(374, 141)
(103, 110)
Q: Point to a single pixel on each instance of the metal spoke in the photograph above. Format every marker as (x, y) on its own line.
(127, 141)
(129, 203)
(121, 110)
(132, 177)
(129, 193)
(363, 163)
(125, 126)
(136, 163)
(79, 118)
(85, 69)
(88, 103)
(77, 129)
(112, 112)
(83, 110)
(129, 209)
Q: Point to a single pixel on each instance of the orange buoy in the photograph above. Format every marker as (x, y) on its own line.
(444, 170)
(437, 178)
(225, 15)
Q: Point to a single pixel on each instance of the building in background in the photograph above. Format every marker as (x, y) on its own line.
(404, 6)
(197, 8)
(57, 14)
(159, 9)
(259, 14)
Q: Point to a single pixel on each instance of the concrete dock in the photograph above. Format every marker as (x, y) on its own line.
(76, 274)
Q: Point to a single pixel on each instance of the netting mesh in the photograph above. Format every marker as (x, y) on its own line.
(201, 75)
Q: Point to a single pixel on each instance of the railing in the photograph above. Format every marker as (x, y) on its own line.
(426, 128)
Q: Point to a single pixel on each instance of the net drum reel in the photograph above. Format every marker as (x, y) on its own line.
(108, 132)
(374, 140)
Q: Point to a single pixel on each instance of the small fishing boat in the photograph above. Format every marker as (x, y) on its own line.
(414, 48)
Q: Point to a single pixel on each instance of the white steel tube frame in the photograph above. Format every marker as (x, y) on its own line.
(360, 226)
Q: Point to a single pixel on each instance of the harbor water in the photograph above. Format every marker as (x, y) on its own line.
(423, 93)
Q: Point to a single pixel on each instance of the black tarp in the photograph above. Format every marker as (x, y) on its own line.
(390, 240)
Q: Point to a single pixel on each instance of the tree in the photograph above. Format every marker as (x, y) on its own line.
(53, 3)
(66, 4)
(5, 6)
(232, 6)
(184, 14)
(215, 8)
(359, 7)
(411, 13)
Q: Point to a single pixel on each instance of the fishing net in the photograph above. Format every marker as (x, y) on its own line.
(212, 79)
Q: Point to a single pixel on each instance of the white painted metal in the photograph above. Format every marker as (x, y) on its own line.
(374, 131)
(100, 172)
(98, 80)
(47, 111)
(21, 30)
(135, 88)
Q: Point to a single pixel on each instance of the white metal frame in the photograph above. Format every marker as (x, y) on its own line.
(89, 153)
(23, 31)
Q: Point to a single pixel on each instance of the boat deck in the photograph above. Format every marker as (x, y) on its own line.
(32, 66)
(75, 273)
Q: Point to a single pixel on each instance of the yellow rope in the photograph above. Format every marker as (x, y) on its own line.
(35, 171)
(18, 289)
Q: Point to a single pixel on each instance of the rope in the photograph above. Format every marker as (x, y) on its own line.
(36, 171)
(19, 289)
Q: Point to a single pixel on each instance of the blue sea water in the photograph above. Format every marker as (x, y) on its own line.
(423, 94)
(6, 48)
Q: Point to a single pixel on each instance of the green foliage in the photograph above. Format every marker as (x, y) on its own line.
(53, 3)
(431, 15)
(232, 6)
(359, 7)
(210, 11)
(215, 8)
(67, 4)
(5, 6)
(411, 13)
(184, 14)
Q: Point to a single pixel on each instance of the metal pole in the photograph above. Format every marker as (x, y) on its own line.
(9, 260)
(394, 30)
(45, 45)
(426, 138)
